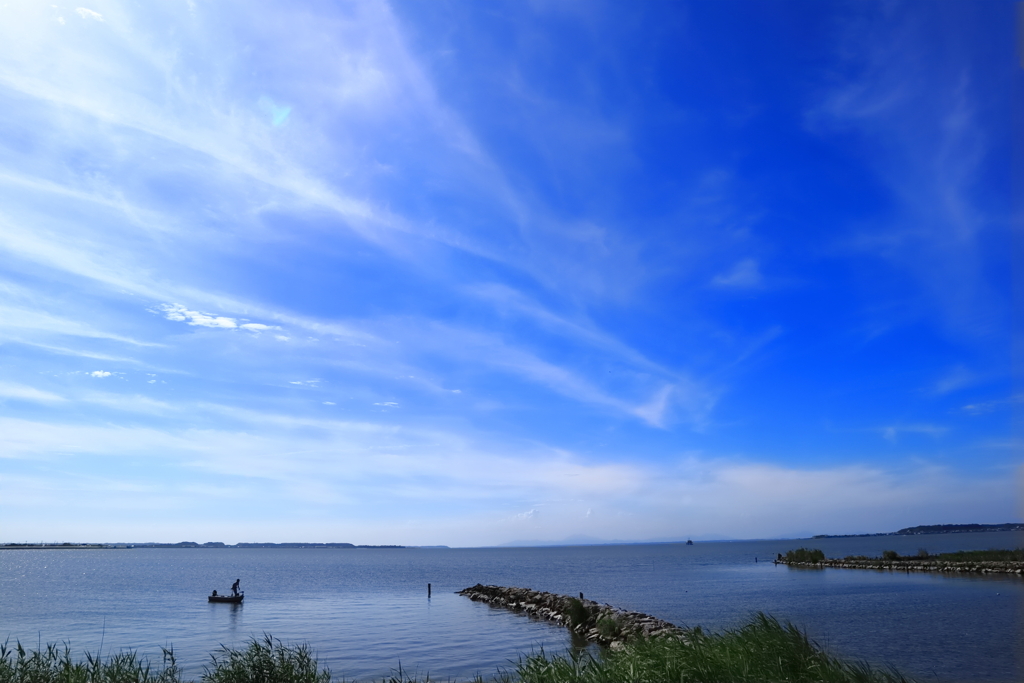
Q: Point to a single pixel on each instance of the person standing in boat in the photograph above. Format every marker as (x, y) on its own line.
(234, 587)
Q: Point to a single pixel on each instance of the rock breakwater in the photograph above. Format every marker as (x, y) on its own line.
(598, 623)
(1014, 568)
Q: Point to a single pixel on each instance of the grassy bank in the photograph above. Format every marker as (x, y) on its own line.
(959, 556)
(762, 651)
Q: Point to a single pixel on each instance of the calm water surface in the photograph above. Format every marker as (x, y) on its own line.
(366, 611)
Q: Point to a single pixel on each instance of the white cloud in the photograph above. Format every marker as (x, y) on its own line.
(387, 404)
(99, 373)
(89, 14)
(348, 464)
(179, 313)
(744, 275)
(330, 403)
(306, 382)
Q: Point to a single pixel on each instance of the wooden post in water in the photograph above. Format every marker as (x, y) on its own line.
(428, 590)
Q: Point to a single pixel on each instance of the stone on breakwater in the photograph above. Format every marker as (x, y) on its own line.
(603, 624)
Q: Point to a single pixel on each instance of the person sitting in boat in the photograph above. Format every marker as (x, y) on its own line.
(234, 587)
(214, 592)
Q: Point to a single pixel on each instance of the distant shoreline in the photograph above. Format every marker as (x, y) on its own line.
(191, 545)
(909, 531)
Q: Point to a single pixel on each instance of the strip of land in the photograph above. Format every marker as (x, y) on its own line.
(1010, 562)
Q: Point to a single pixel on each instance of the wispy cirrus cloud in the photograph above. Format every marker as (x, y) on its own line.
(494, 352)
(892, 432)
(216, 136)
(548, 270)
(27, 393)
(955, 379)
(31, 322)
(922, 134)
(989, 406)
(744, 275)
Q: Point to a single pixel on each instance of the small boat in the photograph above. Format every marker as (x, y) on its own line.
(225, 598)
(689, 542)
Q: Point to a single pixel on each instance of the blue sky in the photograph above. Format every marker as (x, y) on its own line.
(469, 273)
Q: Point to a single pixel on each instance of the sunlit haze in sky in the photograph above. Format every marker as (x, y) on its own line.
(473, 273)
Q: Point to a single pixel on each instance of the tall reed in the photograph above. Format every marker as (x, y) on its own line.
(55, 665)
(762, 651)
(266, 661)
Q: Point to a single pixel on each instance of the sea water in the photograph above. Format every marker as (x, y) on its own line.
(366, 611)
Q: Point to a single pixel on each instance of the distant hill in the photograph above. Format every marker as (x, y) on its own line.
(936, 529)
(958, 528)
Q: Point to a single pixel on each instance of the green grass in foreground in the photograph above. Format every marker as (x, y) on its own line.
(763, 651)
